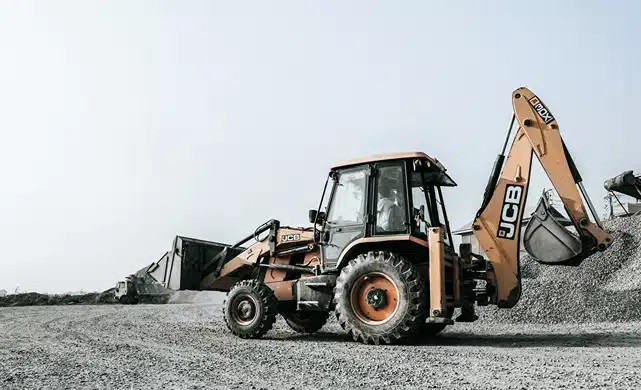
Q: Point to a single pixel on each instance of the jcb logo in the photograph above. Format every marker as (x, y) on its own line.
(540, 109)
(510, 212)
(290, 237)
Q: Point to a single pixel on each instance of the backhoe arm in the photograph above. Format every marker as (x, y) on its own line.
(498, 223)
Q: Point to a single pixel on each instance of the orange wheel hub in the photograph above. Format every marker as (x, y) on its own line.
(374, 298)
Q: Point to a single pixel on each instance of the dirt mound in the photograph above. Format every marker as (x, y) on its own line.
(37, 299)
(605, 287)
(94, 298)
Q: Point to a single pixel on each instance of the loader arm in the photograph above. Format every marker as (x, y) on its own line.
(498, 222)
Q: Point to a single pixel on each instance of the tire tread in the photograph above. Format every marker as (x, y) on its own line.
(270, 308)
(414, 316)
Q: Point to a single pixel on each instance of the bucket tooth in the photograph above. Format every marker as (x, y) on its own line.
(547, 241)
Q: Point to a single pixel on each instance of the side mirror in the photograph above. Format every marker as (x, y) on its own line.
(316, 216)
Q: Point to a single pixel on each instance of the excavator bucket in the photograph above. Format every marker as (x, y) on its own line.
(547, 240)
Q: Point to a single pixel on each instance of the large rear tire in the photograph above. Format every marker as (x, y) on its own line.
(380, 298)
(250, 309)
(306, 321)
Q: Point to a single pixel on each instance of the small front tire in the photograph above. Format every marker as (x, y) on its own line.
(250, 309)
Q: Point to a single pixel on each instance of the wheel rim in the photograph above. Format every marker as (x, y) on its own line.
(374, 298)
(244, 309)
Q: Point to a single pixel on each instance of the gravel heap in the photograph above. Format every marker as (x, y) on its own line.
(93, 298)
(38, 299)
(605, 287)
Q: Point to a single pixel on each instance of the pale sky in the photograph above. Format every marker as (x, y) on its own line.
(125, 123)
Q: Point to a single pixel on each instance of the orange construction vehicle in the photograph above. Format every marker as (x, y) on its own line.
(379, 251)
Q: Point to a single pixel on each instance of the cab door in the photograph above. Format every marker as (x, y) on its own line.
(346, 214)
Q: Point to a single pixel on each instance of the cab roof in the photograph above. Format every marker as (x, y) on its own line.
(392, 156)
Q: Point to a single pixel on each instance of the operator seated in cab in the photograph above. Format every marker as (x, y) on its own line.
(389, 214)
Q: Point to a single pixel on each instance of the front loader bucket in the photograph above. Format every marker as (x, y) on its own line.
(547, 241)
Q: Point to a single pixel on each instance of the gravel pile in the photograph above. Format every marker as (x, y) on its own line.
(94, 298)
(605, 287)
(38, 299)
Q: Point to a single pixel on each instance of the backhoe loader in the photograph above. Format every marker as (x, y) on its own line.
(380, 253)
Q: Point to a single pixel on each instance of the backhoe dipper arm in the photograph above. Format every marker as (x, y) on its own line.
(498, 223)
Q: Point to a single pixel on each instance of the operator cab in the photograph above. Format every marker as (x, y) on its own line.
(381, 196)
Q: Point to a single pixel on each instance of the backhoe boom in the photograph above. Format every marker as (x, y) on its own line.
(498, 223)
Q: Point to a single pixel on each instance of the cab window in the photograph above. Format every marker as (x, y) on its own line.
(440, 206)
(390, 200)
(421, 210)
(348, 201)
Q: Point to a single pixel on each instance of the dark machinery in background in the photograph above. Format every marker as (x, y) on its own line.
(626, 183)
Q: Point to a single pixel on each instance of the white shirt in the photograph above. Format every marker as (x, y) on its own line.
(384, 210)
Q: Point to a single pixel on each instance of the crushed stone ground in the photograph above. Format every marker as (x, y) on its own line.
(574, 328)
(187, 346)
